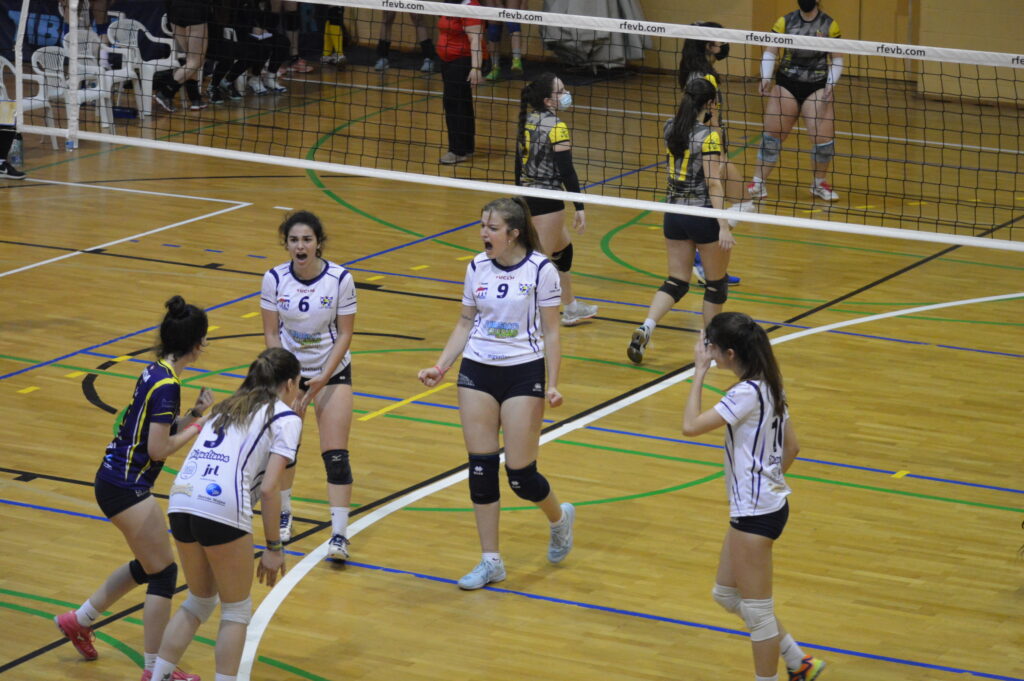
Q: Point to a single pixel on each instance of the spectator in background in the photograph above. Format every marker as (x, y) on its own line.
(422, 37)
(494, 39)
(7, 169)
(461, 51)
(189, 20)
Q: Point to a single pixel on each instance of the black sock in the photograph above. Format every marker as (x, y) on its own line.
(427, 48)
(383, 47)
(192, 89)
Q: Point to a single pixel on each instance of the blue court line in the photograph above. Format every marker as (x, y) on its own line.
(607, 609)
(50, 509)
(987, 352)
(119, 338)
(690, 624)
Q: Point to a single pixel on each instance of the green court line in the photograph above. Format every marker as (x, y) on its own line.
(905, 493)
(126, 649)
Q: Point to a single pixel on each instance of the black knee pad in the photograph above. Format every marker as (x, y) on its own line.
(138, 572)
(338, 470)
(291, 21)
(528, 483)
(563, 259)
(717, 291)
(676, 288)
(163, 583)
(483, 478)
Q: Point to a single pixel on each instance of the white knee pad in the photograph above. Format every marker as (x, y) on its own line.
(823, 153)
(202, 608)
(728, 597)
(240, 611)
(759, 614)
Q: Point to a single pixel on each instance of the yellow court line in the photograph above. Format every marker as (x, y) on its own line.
(899, 474)
(419, 267)
(396, 405)
(122, 358)
(30, 389)
(247, 315)
(211, 328)
(375, 278)
(75, 374)
(467, 257)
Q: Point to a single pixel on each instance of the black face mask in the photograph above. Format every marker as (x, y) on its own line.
(723, 52)
(707, 117)
(807, 5)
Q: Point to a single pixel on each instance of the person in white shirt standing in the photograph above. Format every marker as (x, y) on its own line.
(508, 328)
(760, 445)
(309, 308)
(239, 458)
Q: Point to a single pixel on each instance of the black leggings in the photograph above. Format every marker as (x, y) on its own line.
(7, 136)
(458, 106)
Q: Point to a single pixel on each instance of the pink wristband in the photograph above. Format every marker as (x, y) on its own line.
(440, 370)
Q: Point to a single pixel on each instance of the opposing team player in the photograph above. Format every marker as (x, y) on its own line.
(760, 446)
(803, 86)
(309, 307)
(238, 460)
(151, 431)
(508, 328)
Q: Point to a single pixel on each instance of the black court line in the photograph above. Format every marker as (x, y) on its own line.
(568, 420)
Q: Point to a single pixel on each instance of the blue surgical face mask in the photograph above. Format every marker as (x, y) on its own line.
(565, 100)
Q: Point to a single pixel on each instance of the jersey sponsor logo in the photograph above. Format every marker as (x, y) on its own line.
(211, 470)
(179, 488)
(525, 289)
(306, 290)
(326, 302)
(301, 338)
(504, 276)
(466, 381)
(284, 303)
(481, 291)
(502, 329)
(213, 489)
(188, 470)
(497, 358)
(206, 454)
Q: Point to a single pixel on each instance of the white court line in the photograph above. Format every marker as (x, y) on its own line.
(127, 238)
(272, 601)
(135, 191)
(731, 121)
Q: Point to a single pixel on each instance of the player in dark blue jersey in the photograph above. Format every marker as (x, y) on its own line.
(151, 431)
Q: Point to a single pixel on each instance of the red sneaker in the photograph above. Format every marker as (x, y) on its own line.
(80, 637)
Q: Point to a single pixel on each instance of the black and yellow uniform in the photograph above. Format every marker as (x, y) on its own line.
(803, 72)
(688, 186)
(538, 166)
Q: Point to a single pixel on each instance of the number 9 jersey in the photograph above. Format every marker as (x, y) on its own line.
(307, 311)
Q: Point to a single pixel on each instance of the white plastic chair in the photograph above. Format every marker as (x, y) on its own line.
(48, 62)
(90, 69)
(39, 100)
(124, 34)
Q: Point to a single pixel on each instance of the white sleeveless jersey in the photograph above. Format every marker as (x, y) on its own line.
(220, 478)
(507, 329)
(308, 311)
(753, 450)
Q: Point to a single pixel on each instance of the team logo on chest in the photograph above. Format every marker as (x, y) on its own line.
(326, 301)
(283, 303)
(481, 291)
(525, 289)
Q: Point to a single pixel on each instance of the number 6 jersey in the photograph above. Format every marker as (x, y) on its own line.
(307, 311)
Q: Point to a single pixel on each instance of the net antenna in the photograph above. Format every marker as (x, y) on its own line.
(927, 140)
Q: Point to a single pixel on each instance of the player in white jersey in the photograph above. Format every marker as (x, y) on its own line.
(760, 446)
(507, 330)
(309, 308)
(239, 458)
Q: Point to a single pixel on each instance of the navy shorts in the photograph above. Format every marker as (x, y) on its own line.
(113, 499)
(700, 230)
(800, 90)
(541, 206)
(343, 377)
(768, 525)
(188, 529)
(504, 382)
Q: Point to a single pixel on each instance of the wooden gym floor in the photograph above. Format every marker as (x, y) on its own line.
(900, 561)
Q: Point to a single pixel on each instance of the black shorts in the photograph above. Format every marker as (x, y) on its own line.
(800, 90)
(690, 228)
(540, 206)
(343, 377)
(113, 499)
(188, 12)
(769, 525)
(188, 529)
(501, 383)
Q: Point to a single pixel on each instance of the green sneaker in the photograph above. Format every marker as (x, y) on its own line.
(494, 74)
(809, 670)
(517, 65)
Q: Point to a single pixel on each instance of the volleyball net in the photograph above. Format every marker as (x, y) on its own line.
(927, 140)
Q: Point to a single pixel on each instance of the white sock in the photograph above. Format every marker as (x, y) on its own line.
(492, 557)
(225, 677)
(571, 305)
(790, 652)
(286, 501)
(339, 519)
(650, 324)
(517, 54)
(149, 659)
(818, 181)
(758, 180)
(87, 614)
(162, 670)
